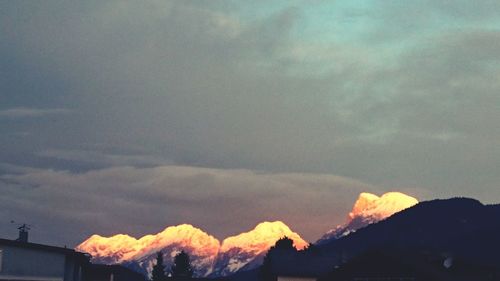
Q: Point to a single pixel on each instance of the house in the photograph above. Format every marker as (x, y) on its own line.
(24, 261)
(102, 272)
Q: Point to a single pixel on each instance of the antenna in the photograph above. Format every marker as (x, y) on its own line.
(24, 227)
(23, 231)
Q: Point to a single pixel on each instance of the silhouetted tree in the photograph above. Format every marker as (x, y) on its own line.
(265, 272)
(182, 266)
(283, 245)
(311, 249)
(158, 273)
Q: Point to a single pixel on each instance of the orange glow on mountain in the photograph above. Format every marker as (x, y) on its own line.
(371, 205)
(262, 237)
(202, 246)
(370, 208)
(235, 252)
(120, 248)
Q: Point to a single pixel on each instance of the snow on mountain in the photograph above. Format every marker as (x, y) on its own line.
(247, 250)
(208, 256)
(368, 209)
(140, 253)
(109, 250)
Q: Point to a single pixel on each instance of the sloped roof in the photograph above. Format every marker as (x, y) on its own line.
(42, 247)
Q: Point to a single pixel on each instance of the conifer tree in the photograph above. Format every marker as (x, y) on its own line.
(265, 271)
(182, 266)
(158, 273)
(283, 245)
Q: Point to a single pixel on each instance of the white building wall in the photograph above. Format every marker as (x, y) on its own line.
(31, 264)
(288, 278)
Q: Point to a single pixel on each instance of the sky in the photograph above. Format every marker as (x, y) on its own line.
(130, 116)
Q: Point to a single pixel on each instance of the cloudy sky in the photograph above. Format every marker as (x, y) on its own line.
(127, 117)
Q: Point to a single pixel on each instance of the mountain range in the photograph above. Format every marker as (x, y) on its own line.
(208, 256)
(439, 232)
(245, 251)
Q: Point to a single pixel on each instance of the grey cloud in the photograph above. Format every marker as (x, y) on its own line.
(439, 112)
(103, 158)
(403, 23)
(142, 200)
(198, 85)
(23, 112)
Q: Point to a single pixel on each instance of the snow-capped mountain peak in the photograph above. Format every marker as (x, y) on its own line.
(365, 199)
(247, 250)
(262, 237)
(114, 249)
(370, 208)
(140, 253)
(183, 235)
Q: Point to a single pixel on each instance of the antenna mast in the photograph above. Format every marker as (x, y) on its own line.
(23, 232)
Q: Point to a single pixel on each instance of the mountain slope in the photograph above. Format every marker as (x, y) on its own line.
(458, 226)
(369, 208)
(240, 252)
(110, 250)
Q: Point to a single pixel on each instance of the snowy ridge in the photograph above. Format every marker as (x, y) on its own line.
(208, 256)
(370, 208)
(248, 249)
(139, 254)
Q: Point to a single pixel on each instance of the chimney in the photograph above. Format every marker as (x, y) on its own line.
(23, 233)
